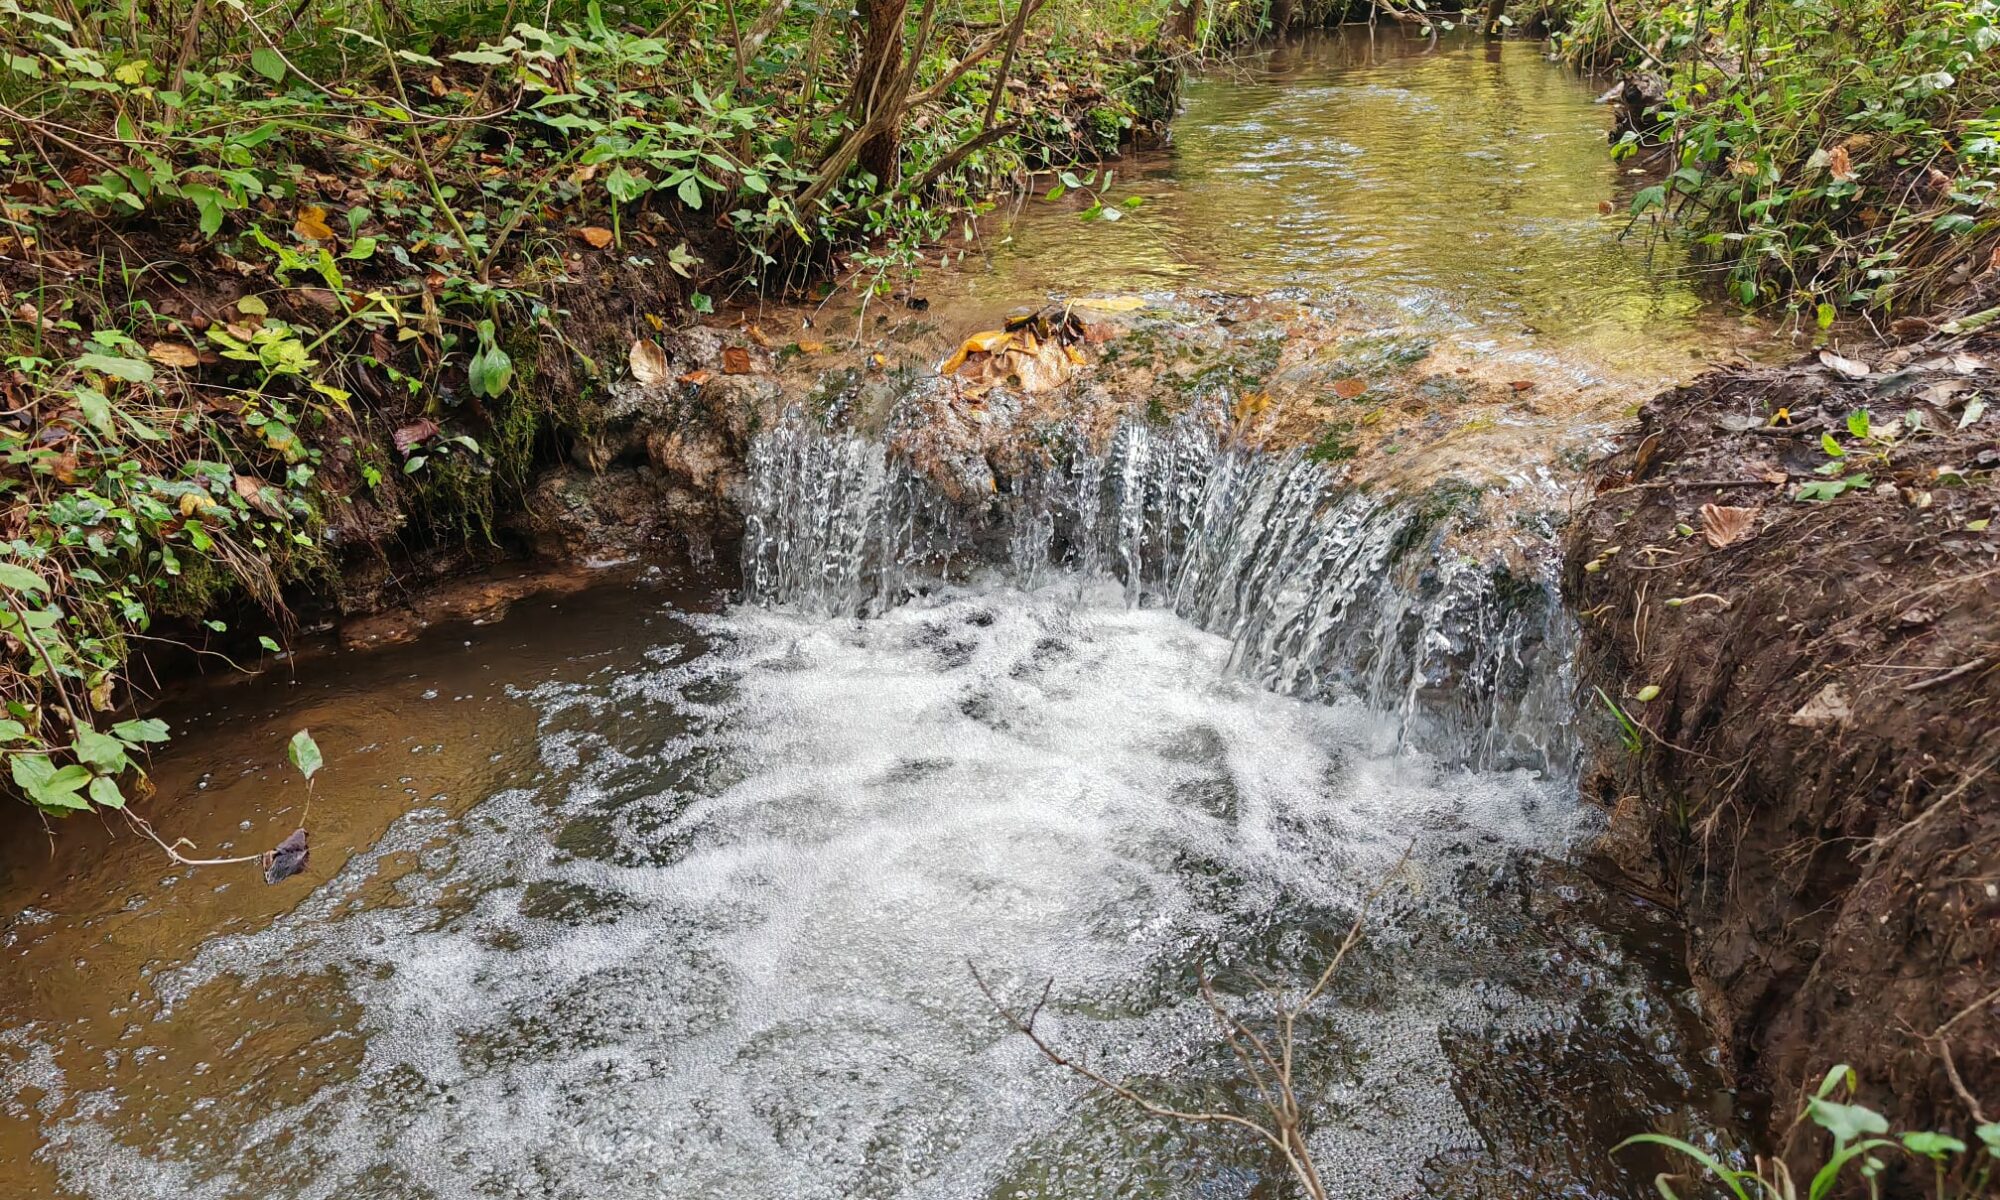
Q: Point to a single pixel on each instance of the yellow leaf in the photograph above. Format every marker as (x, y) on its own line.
(658, 325)
(598, 236)
(194, 503)
(173, 354)
(131, 74)
(806, 347)
(1111, 304)
(311, 224)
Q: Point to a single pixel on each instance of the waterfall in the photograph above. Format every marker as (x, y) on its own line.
(1323, 591)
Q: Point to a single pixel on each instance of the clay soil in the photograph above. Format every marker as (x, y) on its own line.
(1814, 781)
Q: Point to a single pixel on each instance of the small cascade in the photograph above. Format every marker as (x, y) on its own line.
(1323, 591)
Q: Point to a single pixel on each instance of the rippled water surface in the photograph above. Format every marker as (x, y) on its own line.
(644, 892)
(1458, 184)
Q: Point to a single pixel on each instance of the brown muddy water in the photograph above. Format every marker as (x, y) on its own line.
(644, 892)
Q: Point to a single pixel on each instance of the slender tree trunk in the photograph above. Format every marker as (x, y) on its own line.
(876, 85)
(1186, 21)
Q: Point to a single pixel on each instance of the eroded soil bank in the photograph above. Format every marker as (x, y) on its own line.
(1814, 692)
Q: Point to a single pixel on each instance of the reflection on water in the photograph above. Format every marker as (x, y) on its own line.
(1455, 184)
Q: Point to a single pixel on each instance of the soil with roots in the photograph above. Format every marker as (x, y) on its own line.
(1812, 687)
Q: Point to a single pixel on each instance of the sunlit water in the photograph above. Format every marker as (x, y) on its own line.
(651, 893)
(1455, 186)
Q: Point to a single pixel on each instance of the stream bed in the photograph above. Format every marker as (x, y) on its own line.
(648, 891)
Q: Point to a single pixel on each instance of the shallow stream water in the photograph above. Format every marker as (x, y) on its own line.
(649, 892)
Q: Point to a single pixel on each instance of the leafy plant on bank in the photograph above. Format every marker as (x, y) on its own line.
(1862, 1145)
(1822, 154)
(279, 282)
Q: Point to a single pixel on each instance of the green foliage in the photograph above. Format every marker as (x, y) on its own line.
(282, 272)
(1828, 153)
(1860, 1140)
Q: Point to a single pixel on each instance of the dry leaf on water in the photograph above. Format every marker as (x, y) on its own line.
(1348, 389)
(1721, 526)
(735, 360)
(173, 354)
(311, 224)
(648, 362)
(598, 236)
(1853, 368)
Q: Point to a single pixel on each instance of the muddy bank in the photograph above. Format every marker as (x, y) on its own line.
(1814, 691)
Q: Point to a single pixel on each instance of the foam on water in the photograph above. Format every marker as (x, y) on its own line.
(720, 950)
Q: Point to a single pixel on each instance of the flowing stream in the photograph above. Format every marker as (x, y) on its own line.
(675, 887)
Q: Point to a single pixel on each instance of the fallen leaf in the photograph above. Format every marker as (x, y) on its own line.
(1839, 165)
(1853, 368)
(311, 224)
(648, 362)
(1348, 389)
(290, 857)
(1606, 208)
(416, 431)
(735, 360)
(1249, 405)
(1721, 525)
(598, 236)
(1521, 385)
(696, 378)
(254, 490)
(173, 354)
(806, 347)
(1110, 304)
(990, 341)
(757, 335)
(1829, 706)
(194, 504)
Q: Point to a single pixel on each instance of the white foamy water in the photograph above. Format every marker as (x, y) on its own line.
(721, 948)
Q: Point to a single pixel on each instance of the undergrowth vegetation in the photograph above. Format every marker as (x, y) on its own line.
(289, 281)
(1824, 154)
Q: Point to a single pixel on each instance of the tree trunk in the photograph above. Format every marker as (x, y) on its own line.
(1185, 20)
(876, 85)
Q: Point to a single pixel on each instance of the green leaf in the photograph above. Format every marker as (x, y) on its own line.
(1728, 1177)
(267, 63)
(130, 369)
(1832, 448)
(270, 645)
(47, 786)
(1845, 1121)
(362, 248)
(304, 753)
(21, 579)
(690, 192)
(105, 794)
(1932, 1145)
(101, 751)
(1652, 197)
(1989, 1136)
(12, 730)
(152, 729)
(1857, 422)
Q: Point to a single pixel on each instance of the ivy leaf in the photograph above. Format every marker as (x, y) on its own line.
(304, 753)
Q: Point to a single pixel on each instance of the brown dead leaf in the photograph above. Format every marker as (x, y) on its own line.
(696, 378)
(1828, 707)
(1521, 385)
(990, 341)
(735, 360)
(648, 362)
(416, 431)
(810, 347)
(598, 236)
(257, 493)
(1721, 526)
(311, 224)
(1839, 165)
(757, 335)
(173, 354)
(1348, 389)
(1606, 208)
(437, 86)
